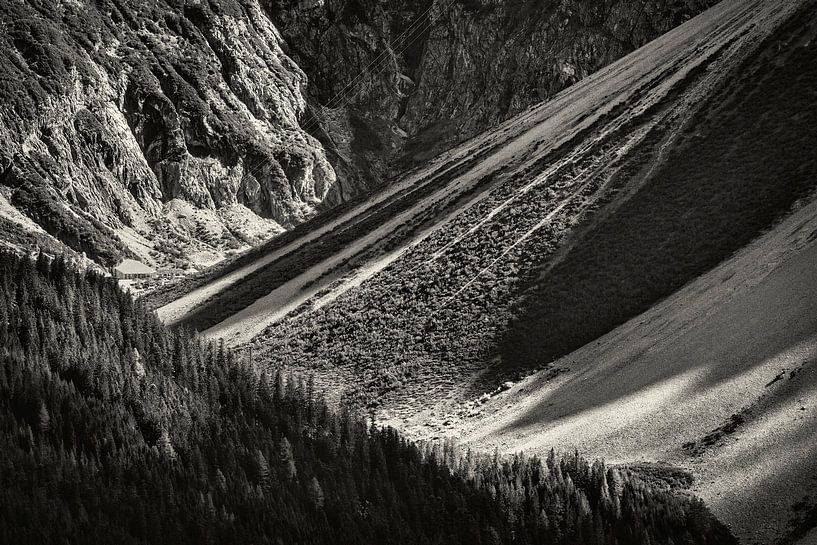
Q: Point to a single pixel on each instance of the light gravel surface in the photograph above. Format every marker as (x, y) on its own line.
(680, 371)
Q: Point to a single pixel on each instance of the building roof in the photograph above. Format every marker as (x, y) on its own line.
(131, 266)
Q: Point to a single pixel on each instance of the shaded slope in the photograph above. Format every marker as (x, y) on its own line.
(419, 285)
(739, 164)
(719, 377)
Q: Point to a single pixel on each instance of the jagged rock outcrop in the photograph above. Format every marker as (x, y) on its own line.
(181, 129)
(123, 118)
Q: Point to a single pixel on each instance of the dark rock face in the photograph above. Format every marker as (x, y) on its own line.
(187, 127)
(441, 71)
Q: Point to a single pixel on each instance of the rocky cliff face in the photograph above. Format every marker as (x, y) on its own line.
(171, 126)
(440, 71)
(180, 129)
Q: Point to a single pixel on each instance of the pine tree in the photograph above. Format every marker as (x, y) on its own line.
(316, 493)
(124, 447)
(287, 459)
(165, 446)
(43, 419)
(263, 470)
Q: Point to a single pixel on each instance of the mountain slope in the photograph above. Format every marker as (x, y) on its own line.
(740, 161)
(116, 429)
(179, 131)
(461, 241)
(720, 377)
(418, 77)
(534, 239)
(171, 127)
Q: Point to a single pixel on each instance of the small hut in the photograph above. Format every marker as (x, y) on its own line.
(130, 268)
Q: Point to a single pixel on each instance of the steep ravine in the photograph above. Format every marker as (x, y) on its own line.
(181, 130)
(441, 71)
